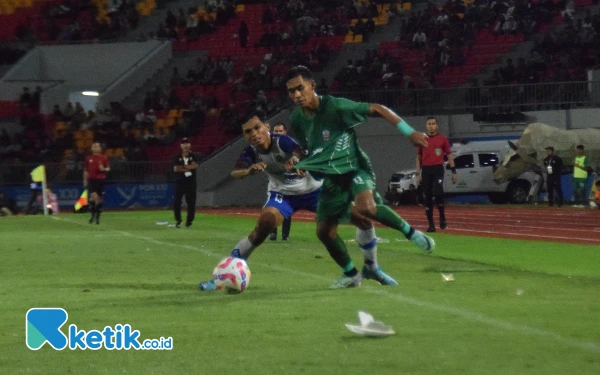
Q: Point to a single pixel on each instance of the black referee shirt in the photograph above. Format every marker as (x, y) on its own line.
(188, 177)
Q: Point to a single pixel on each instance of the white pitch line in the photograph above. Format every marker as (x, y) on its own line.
(310, 217)
(526, 235)
(414, 216)
(458, 222)
(463, 313)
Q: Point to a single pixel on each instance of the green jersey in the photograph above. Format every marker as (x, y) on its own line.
(329, 137)
(584, 162)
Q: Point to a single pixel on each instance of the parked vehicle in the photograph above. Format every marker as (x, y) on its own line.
(475, 163)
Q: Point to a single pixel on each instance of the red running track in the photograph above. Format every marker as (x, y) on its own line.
(566, 224)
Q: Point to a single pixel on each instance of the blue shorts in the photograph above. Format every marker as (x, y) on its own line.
(289, 204)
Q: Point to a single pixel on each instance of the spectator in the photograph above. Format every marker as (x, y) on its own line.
(243, 34)
(36, 98)
(267, 16)
(51, 202)
(7, 205)
(369, 28)
(568, 12)
(26, 99)
(444, 57)
(194, 102)
(173, 100)
(228, 67)
(458, 57)
(171, 20)
(419, 39)
(509, 26)
(161, 32)
(323, 53)
(56, 113)
(323, 88)
(229, 118)
(68, 111)
(219, 76)
(181, 19)
(521, 71)
(78, 116)
(4, 139)
(408, 83)
(508, 72)
(443, 19)
(175, 77)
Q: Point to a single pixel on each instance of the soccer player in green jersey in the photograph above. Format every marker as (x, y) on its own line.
(323, 125)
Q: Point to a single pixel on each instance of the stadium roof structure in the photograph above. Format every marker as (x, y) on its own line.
(114, 70)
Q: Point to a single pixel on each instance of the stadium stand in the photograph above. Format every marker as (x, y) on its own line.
(63, 21)
(250, 46)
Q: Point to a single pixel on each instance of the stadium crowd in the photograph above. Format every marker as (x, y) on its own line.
(442, 34)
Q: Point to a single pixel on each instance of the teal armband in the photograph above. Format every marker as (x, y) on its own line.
(404, 128)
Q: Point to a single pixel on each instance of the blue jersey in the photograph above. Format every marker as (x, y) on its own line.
(280, 181)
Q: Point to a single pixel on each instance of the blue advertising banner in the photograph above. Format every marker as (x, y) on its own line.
(138, 195)
(115, 196)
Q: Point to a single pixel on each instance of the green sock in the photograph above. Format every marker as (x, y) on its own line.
(389, 218)
(338, 251)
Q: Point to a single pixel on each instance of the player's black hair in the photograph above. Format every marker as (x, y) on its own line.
(431, 118)
(280, 124)
(250, 114)
(598, 183)
(299, 71)
(580, 147)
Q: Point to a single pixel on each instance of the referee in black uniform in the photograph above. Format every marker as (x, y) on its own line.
(185, 165)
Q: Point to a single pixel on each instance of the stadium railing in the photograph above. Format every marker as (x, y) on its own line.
(72, 173)
(490, 99)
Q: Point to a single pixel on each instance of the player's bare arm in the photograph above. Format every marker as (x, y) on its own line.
(239, 173)
(418, 166)
(289, 164)
(297, 155)
(417, 138)
(452, 166)
(186, 168)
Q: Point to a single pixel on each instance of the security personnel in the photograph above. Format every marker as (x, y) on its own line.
(184, 166)
(580, 176)
(430, 171)
(553, 165)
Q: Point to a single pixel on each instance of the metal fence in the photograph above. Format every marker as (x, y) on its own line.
(484, 99)
(68, 173)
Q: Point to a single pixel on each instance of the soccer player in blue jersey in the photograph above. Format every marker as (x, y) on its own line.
(279, 128)
(289, 191)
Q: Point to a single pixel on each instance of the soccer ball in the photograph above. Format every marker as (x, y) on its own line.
(232, 275)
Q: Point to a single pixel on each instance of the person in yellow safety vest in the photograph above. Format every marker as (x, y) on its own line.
(580, 175)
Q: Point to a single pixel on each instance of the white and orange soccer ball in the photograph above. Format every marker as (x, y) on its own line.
(232, 275)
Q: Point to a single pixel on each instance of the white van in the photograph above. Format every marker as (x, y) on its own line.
(475, 163)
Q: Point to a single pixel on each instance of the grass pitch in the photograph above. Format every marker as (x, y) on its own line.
(515, 307)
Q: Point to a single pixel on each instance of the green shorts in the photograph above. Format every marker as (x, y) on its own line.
(338, 193)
